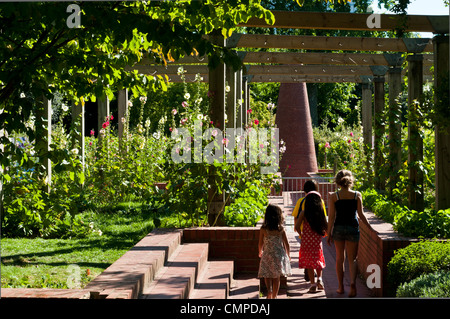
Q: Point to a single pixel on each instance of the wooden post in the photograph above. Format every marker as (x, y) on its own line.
(239, 96)
(44, 136)
(122, 105)
(366, 113)
(442, 134)
(395, 125)
(415, 149)
(246, 102)
(216, 200)
(230, 111)
(78, 120)
(103, 111)
(379, 130)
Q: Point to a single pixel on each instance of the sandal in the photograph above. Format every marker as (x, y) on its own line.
(313, 288)
(319, 283)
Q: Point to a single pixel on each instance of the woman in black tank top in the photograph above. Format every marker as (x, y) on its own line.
(345, 207)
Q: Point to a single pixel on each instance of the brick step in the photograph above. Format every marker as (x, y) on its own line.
(215, 281)
(132, 273)
(45, 293)
(245, 286)
(177, 279)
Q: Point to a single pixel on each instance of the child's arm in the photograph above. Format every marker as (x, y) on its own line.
(359, 207)
(261, 241)
(299, 221)
(331, 216)
(286, 244)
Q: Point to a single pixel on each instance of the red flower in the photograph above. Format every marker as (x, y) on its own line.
(256, 122)
(104, 125)
(112, 117)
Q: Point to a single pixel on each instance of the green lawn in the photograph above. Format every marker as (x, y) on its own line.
(44, 263)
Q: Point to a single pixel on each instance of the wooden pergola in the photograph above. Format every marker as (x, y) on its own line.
(384, 63)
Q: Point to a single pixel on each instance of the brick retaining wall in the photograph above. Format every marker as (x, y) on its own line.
(376, 246)
(236, 243)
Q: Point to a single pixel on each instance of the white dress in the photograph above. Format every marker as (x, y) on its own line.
(274, 260)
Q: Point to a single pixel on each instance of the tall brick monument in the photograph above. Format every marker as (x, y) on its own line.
(294, 122)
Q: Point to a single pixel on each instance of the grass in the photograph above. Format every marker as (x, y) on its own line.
(46, 263)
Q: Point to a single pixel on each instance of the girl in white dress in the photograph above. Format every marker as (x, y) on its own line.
(273, 250)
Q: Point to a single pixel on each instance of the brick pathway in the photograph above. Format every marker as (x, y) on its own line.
(297, 287)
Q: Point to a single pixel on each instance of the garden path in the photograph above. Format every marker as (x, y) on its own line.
(297, 287)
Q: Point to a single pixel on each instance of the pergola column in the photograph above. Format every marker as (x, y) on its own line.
(366, 114)
(415, 149)
(216, 200)
(395, 124)
(379, 131)
(239, 96)
(246, 102)
(231, 96)
(103, 111)
(442, 134)
(79, 123)
(122, 105)
(44, 136)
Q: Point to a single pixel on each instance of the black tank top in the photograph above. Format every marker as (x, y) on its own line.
(346, 211)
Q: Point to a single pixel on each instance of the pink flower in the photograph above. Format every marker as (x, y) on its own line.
(105, 125)
(170, 129)
(112, 117)
(90, 143)
(351, 134)
(214, 133)
(249, 111)
(184, 104)
(92, 132)
(256, 122)
(327, 145)
(349, 141)
(225, 141)
(174, 111)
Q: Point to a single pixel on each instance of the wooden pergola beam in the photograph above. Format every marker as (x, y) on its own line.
(352, 21)
(306, 42)
(298, 58)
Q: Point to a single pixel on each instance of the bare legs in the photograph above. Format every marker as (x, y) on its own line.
(351, 249)
(273, 286)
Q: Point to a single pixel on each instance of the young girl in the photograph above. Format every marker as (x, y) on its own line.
(273, 250)
(314, 229)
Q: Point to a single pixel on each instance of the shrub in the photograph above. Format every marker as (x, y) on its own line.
(417, 259)
(435, 285)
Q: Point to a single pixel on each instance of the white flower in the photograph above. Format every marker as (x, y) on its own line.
(270, 106)
(130, 104)
(147, 123)
(22, 95)
(340, 120)
(75, 151)
(64, 107)
(227, 88)
(156, 135)
(180, 70)
(187, 96)
(200, 116)
(199, 100)
(123, 120)
(143, 99)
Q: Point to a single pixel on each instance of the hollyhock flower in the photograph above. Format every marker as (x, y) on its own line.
(351, 134)
(92, 132)
(327, 145)
(174, 111)
(256, 122)
(105, 125)
(112, 117)
(249, 111)
(225, 141)
(349, 141)
(187, 96)
(184, 104)
(214, 133)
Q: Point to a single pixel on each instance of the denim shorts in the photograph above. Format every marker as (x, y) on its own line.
(344, 232)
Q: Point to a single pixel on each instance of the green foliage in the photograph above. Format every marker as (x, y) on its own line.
(417, 259)
(249, 205)
(428, 223)
(435, 285)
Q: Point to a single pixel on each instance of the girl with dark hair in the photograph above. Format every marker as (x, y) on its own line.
(273, 250)
(314, 229)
